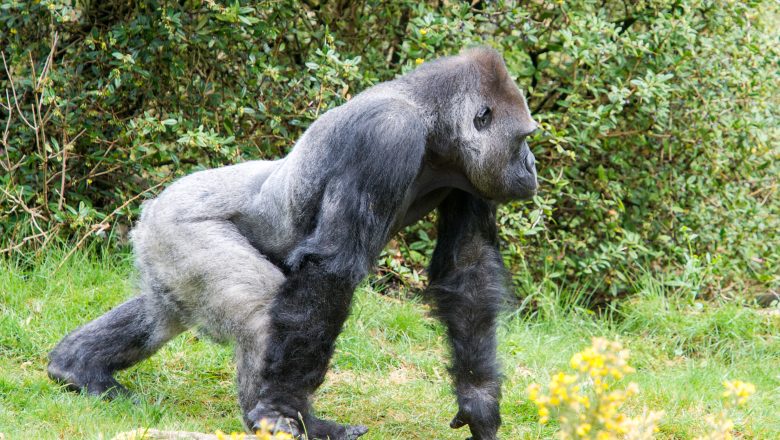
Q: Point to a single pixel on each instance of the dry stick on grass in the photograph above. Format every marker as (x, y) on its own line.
(153, 434)
(104, 225)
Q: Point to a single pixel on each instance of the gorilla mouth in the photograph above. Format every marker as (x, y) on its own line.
(525, 191)
(522, 182)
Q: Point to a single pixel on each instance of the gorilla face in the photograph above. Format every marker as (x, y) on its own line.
(506, 166)
(494, 123)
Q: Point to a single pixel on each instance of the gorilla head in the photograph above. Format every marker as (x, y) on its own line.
(482, 122)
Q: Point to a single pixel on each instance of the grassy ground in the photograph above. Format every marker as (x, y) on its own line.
(389, 372)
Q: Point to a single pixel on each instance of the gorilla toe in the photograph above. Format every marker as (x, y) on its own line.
(355, 431)
(266, 419)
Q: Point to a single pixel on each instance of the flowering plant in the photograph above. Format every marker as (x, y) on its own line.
(587, 403)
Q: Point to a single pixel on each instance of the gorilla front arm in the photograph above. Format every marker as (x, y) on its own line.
(468, 284)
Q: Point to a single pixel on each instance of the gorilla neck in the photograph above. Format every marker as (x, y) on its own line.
(430, 188)
(433, 177)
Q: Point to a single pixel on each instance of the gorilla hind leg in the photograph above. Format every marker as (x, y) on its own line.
(284, 416)
(86, 358)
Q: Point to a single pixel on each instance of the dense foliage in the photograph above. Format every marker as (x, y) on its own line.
(659, 151)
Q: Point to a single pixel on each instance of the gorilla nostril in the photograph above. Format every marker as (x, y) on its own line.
(530, 163)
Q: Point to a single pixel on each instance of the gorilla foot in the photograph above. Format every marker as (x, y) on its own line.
(93, 383)
(320, 429)
(268, 420)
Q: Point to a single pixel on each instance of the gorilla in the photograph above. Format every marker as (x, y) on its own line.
(267, 254)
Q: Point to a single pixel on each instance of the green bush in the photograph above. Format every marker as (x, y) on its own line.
(659, 150)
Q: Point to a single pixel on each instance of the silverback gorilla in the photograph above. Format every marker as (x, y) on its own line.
(268, 253)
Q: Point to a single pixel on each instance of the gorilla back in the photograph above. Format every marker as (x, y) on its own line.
(268, 253)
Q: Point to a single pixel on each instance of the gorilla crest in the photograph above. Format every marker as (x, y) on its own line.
(268, 253)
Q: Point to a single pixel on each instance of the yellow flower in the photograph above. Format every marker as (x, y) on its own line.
(533, 391)
(544, 415)
(738, 391)
(423, 31)
(583, 429)
(419, 61)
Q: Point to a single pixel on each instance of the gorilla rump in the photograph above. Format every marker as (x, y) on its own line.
(268, 253)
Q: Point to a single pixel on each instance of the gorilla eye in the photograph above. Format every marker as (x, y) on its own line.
(483, 118)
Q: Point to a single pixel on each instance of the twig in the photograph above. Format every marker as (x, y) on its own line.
(40, 130)
(65, 146)
(21, 243)
(13, 91)
(6, 132)
(20, 202)
(49, 60)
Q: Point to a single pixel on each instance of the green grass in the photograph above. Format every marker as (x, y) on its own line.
(390, 368)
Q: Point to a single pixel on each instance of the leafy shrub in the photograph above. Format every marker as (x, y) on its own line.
(659, 150)
(588, 403)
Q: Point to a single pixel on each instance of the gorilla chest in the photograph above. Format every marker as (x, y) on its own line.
(420, 206)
